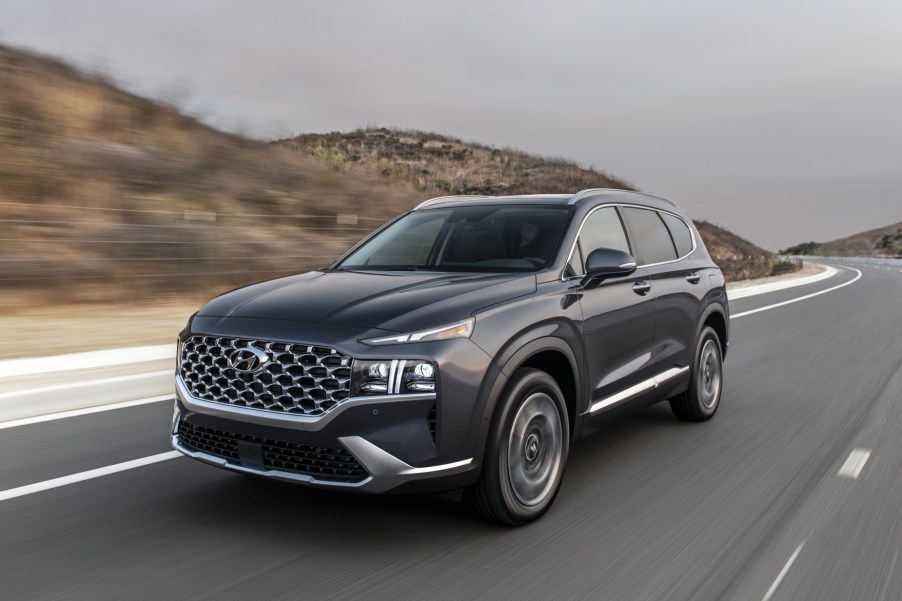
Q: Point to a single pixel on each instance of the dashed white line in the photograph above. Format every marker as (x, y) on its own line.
(889, 576)
(25, 421)
(21, 491)
(773, 588)
(854, 463)
(801, 298)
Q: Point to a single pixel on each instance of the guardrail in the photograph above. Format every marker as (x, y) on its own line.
(135, 244)
(861, 260)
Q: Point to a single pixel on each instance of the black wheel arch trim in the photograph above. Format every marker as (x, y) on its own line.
(712, 308)
(511, 362)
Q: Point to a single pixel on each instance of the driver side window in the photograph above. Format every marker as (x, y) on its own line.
(603, 228)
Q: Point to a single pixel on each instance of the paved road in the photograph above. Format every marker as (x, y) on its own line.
(747, 506)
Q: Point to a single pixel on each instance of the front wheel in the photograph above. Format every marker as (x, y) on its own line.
(526, 452)
(701, 400)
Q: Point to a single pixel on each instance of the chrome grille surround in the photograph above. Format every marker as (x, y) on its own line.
(298, 378)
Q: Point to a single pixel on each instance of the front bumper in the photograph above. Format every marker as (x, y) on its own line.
(368, 428)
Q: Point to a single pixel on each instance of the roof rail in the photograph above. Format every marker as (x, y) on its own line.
(426, 203)
(584, 193)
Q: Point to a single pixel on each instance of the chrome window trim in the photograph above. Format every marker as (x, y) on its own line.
(564, 277)
(290, 421)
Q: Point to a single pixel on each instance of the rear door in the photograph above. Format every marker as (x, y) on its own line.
(664, 243)
(618, 318)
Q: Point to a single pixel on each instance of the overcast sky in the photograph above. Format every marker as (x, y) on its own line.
(780, 120)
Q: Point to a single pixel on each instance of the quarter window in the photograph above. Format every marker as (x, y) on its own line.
(653, 242)
(680, 233)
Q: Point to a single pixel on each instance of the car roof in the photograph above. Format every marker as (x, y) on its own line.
(590, 196)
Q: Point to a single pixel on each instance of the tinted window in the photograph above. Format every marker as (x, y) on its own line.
(653, 243)
(679, 231)
(602, 229)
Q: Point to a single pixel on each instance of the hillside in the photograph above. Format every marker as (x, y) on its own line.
(435, 165)
(108, 196)
(880, 242)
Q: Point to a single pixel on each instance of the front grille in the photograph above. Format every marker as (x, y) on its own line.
(298, 378)
(334, 465)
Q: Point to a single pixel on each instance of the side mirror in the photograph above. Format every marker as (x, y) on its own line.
(608, 263)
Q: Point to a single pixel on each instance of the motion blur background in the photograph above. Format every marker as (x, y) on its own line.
(156, 154)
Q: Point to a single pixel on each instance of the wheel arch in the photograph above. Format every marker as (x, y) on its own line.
(715, 317)
(550, 354)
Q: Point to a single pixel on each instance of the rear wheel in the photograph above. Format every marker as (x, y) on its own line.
(701, 400)
(526, 452)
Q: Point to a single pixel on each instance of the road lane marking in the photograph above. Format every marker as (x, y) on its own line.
(801, 298)
(854, 463)
(773, 588)
(21, 491)
(26, 421)
(889, 576)
(86, 383)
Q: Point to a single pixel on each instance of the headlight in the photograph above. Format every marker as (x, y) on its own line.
(460, 329)
(392, 376)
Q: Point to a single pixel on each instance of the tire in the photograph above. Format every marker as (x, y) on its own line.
(526, 452)
(701, 400)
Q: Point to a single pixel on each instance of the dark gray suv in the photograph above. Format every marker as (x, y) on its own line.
(465, 344)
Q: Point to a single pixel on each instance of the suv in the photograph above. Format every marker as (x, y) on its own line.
(463, 345)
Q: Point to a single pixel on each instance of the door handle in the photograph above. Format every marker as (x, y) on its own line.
(693, 278)
(641, 288)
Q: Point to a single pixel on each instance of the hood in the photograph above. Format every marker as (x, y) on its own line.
(397, 301)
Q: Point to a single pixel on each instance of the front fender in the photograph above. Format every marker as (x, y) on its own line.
(514, 354)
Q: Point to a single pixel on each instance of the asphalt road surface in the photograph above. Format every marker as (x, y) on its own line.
(792, 491)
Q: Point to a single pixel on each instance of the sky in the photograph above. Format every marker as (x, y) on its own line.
(781, 121)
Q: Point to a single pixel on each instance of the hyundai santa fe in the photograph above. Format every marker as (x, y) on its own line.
(463, 345)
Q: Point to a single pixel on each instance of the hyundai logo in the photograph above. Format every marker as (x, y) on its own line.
(248, 360)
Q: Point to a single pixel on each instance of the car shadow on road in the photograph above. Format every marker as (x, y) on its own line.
(281, 509)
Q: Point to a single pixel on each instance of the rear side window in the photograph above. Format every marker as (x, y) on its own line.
(653, 242)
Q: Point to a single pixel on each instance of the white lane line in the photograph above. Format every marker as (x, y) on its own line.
(854, 463)
(86, 383)
(773, 588)
(889, 576)
(26, 421)
(801, 298)
(21, 491)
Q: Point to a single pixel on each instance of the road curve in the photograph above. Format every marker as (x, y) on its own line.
(750, 505)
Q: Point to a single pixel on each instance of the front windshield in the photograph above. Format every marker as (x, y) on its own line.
(489, 238)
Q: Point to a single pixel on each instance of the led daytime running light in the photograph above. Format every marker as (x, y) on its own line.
(461, 329)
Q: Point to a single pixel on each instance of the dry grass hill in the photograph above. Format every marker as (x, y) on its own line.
(105, 195)
(434, 164)
(881, 242)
